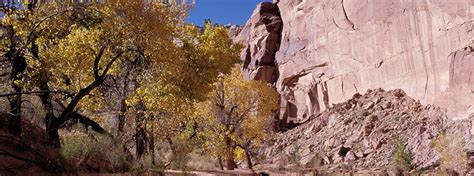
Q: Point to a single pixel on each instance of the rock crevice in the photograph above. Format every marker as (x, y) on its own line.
(347, 17)
(262, 36)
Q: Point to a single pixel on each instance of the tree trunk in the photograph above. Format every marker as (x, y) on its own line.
(230, 162)
(221, 166)
(140, 143)
(43, 80)
(249, 159)
(18, 67)
(52, 128)
(15, 113)
(151, 145)
(56, 123)
(46, 101)
(121, 117)
(231, 165)
(140, 135)
(123, 103)
(171, 144)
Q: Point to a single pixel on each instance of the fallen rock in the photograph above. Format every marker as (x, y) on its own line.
(364, 137)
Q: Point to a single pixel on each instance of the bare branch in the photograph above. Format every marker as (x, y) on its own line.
(34, 92)
(106, 70)
(88, 122)
(97, 61)
(241, 118)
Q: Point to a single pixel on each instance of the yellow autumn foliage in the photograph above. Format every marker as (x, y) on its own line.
(77, 45)
(169, 94)
(238, 110)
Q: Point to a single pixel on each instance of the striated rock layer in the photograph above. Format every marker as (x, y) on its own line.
(321, 52)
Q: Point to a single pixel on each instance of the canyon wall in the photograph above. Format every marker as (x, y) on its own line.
(321, 52)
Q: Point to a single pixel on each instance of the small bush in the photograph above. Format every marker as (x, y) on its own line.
(180, 159)
(202, 162)
(78, 146)
(294, 155)
(401, 155)
(137, 168)
(366, 113)
(114, 152)
(452, 155)
(82, 147)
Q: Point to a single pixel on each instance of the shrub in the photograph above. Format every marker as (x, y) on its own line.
(401, 155)
(180, 158)
(114, 152)
(78, 146)
(202, 162)
(82, 147)
(366, 113)
(137, 168)
(294, 155)
(452, 155)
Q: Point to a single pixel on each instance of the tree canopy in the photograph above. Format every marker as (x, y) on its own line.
(236, 114)
(134, 71)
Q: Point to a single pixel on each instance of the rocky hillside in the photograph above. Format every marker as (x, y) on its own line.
(320, 52)
(362, 133)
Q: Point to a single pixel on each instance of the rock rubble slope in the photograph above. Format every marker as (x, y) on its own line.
(360, 133)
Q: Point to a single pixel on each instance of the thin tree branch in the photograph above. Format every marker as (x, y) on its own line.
(30, 36)
(35, 92)
(106, 70)
(97, 61)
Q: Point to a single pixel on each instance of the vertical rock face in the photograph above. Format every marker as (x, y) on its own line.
(327, 50)
(261, 37)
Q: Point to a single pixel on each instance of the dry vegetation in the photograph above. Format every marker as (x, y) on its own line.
(453, 158)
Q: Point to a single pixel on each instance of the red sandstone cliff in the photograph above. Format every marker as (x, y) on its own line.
(321, 52)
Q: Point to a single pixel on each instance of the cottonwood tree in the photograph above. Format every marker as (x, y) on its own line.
(42, 37)
(127, 30)
(67, 52)
(22, 25)
(234, 115)
(167, 96)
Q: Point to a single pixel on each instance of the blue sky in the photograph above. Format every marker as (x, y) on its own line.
(223, 11)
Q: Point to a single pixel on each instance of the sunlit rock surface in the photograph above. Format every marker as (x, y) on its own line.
(321, 52)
